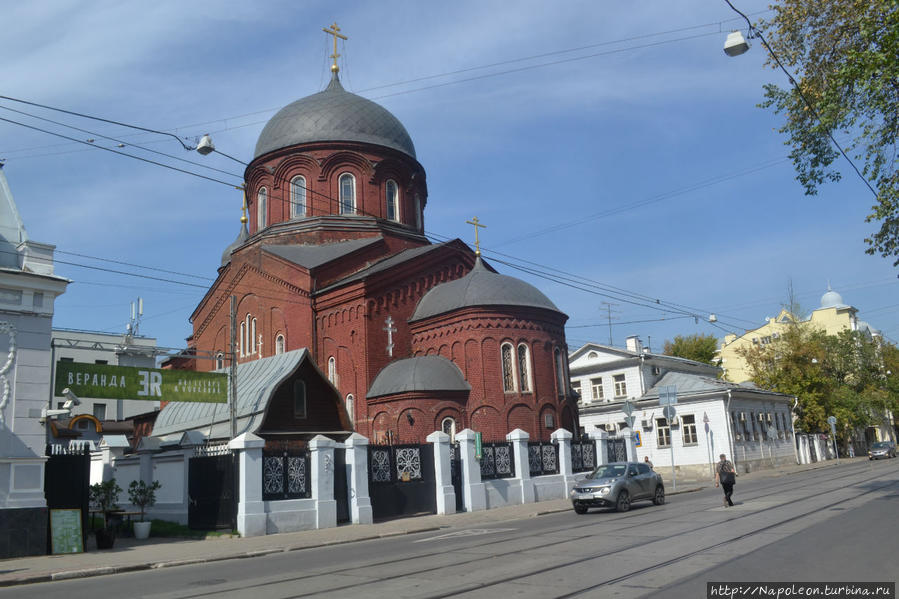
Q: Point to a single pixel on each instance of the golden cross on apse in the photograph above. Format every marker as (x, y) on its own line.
(477, 242)
(334, 30)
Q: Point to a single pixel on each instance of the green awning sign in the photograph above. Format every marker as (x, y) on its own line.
(105, 381)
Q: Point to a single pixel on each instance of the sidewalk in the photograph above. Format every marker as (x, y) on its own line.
(130, 555)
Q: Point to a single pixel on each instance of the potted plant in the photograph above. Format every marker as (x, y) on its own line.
(103, 497)
(143, 496)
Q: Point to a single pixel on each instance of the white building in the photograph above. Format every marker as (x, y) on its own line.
(753, 427)
(28, 290)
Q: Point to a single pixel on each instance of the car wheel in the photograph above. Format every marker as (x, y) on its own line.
(624, 502)
(659, 498)
(580, 509)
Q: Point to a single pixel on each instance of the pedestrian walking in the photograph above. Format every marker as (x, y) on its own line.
(726, 476)
(647, 462)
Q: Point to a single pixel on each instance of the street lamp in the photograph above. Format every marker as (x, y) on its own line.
(735, 44)
(206, 147)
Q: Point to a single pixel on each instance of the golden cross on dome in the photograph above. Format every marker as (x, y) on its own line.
(243, 209)
(477, 242)
(334, 30)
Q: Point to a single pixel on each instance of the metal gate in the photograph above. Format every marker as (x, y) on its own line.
(212, 502)
(456, 474)
(66, 483)
(616, 450)
(341, 490)
(401, 480)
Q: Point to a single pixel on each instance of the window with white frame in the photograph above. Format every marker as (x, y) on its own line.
(508, 368)
(393, 196)
(663, 433)
(298, 196)
(592, 355)
(261, 208)
(332, 370)
(243, 339)
(688, 428)
(524, 371)
(347, 184)
(596, 389)
(100, 411)
(351, 407)
(448, 425)
(279, 344)
(576, 386)
(620, 385)
(219, 360)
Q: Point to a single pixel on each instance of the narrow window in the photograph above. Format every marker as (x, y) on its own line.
(253, 347)
(261, 208)
(332, 370)
(298, 197)
(100, 411)
(279, 344)
(560, 373)
(417, 209)
(38, 299)
(448, 425)
(350, 408)
(663, 433)
(392, 200)
(243, 339)
(219, 360)
(299, 399)
(347, 194)
(508, 369)
(689, 429)
(523, 370)
(620, 386)
(596, 389)
(576, 387)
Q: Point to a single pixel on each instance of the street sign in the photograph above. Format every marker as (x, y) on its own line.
(669, 412)
(667, 395)
(629, 420)
(638, 439)
(831, 420)
(627, 407)
(478, 446)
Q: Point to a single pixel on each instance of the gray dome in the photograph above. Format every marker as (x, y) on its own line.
(333, 115)
(832, 299)
(424, 373)
(241, 239)
(480, 287)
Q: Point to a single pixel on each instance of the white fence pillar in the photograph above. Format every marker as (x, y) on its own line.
(602, 448)
(474, 495)
(563, 438)
(630, 444)
(251, 518)
(519, 440)
(322, 451)
(443, 481)
(357, 474)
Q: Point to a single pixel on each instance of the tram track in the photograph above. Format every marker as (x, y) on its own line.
(758, 492)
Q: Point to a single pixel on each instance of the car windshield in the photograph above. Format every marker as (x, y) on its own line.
(609, 471)
(881, 445)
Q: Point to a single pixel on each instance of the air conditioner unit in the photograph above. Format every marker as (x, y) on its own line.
(647, 424)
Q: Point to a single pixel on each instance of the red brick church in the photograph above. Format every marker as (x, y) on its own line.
(414, 336)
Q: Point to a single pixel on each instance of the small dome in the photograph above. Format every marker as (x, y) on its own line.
(241, 239)
(480, 287)
(333, 115)
(832, 299)
(423, 373)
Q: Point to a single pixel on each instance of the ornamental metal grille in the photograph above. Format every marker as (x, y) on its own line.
(583, 456)
(543, 458)
(285, 475)
(408, 463)
(496, 461)
(394, 463)
(617, 450)
(379, 464)
(202, 451)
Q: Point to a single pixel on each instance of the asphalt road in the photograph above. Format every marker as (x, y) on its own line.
(838, 526)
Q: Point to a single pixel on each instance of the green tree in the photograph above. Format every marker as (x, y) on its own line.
(842, 54)
(701, 348)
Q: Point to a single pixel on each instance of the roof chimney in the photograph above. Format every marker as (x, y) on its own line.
(633, 344)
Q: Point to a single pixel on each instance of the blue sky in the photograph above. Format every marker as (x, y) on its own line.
(639, 161)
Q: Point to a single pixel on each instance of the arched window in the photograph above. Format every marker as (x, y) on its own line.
(350, 411)
(392, 200)
(219, 360)
(332, 370)
(448, 425)
(524, 370)
(299, 399)
(560, 372)
(347, 194)
(243, 339)
(279, 344)
(261, 208)
(508, 368)
(298, 197)
(253, 346)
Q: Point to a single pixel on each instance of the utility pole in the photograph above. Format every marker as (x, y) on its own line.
(609, 312)
(233, 374)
